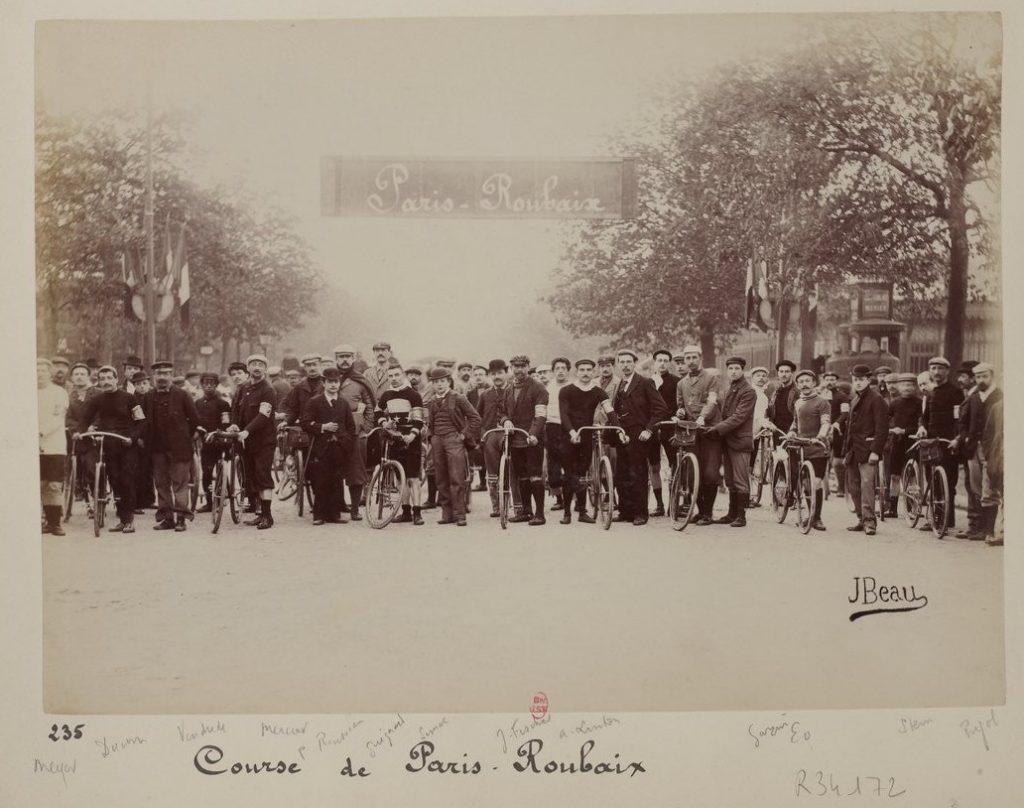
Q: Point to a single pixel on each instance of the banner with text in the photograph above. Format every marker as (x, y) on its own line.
(445, 188)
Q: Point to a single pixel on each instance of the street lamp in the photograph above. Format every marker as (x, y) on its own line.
(206, 351)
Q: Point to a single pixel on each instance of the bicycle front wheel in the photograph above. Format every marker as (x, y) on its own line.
(805, 485)
(504, 490)
(99, 506)
(605, 493)
(780, 490)
(384, 498)
(218, 493)
(300, 481)
(683, 497)
(882, 490)
(938, 502)
(235, 490)
(910, 492)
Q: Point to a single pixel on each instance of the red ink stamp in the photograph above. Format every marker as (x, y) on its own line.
(539, 708)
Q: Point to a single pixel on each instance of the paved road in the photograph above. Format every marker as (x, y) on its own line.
(341, 618)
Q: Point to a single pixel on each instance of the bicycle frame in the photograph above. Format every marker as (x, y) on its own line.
(682, 500)
(600, 465)
(506, 491)
(927, 472)
(100, 502)
(380, 508)
(804, 495)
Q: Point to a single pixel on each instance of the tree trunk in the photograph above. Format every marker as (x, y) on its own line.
(956, 306)
(707, 345)
(783, 329)
(808, 333)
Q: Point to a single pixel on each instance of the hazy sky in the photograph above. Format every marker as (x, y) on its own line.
(271, 98)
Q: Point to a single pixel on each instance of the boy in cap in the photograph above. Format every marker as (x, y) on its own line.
(866, 427)
(214, 415)
(453, 426)
(52, 401)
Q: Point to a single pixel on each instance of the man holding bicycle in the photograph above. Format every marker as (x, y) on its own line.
(490, 404)
(866, 427)
(577, 403)
(214, 414)
(697, 397)
(526, 407)
(117, 411)
(812, 419)
(400, 409)
(252, 416)
(940, 420)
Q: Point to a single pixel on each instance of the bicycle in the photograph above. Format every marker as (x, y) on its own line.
(387, 483)
(761, 467)
(75, 483)
(682, 497)
(226, 484)
(292, 479)
(101, 487)
(924, 485)
(505, 471)
(783, 494)
(600, 480)
(195, 474)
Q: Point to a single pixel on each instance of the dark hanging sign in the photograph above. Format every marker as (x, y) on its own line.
(444, 188)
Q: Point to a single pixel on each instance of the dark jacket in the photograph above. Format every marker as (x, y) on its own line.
(638, 405)
(210, 411)
(465, 418)
(992, 439)
(171, 421)
(328, 446)
(737, 424)
(253, 412)
(489, 405)
(972, 422)
(669, 383)
(295, 401)
(529, 412)
(867, 425)
(940, 419)
(114, 411)
(774, 411)
(76, 408)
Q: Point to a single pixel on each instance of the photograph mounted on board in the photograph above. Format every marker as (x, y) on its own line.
(381, 371)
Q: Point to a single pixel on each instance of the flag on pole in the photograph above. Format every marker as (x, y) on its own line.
(756, 294)
(128, 264)
(184, 291)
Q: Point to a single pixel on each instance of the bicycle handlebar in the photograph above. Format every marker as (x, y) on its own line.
(220, 433)
(796, 440)
(601, 429)
(689, 425)
(508, 430)
(98, 434)
(927, 442)
(393, 433)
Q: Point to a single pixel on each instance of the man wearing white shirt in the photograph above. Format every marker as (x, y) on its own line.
(53, 407)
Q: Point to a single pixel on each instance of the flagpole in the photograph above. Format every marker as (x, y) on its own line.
(149, 354)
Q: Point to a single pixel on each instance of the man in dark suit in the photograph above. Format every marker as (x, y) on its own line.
(665, 382)
(171, 422)
(737, 432)
(252, 416)
(867, 428)
(327, 418)
(639, 407)
(940, 420)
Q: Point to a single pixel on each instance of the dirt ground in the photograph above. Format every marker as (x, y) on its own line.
(343, 618)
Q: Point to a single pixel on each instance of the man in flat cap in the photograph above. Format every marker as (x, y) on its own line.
(812, 419)
(115, 410)
(453, 426)
(59, 369)
(866, 427)
(526, 407)
(967, 443)
(904, 420)
(638, 407)
(303, 391)
(464, 378)
(327, 418)
(880, 374)
(478, 385)
(79, 392)
(214, 415)
(736, 430)
(606, 378)
(377, 373)
(941, 420)
(554, 444)
(252, 416)
(490, 404)
(171, 423)
(359, 393)
(697, 399)
(52, 401)
(578, 403)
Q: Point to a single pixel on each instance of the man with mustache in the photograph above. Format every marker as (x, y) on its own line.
(358, 392)
(252, 416)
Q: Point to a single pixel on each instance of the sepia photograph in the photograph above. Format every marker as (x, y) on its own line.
(613, 362)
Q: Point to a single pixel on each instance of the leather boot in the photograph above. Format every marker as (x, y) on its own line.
(732, 514)
(266, 520)
(53, 515)
(816, 522)
(707, 507)
(524, 513)
(740, 519)
(567, 493)
(537, 489)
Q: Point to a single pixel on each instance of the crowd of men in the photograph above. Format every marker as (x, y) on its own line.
(438, 422)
